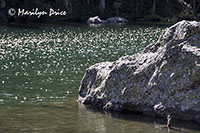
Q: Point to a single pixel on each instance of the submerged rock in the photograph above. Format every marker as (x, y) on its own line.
(162, 79)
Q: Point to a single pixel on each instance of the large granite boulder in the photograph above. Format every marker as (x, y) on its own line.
(162, 79)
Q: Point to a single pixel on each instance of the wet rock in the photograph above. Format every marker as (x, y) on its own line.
(162, 79)
(116, 20)
(95, 20)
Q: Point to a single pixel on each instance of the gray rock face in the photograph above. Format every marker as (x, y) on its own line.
(162, 79)
(116, 20)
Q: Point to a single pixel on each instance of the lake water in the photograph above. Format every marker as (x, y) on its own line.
(40, 73)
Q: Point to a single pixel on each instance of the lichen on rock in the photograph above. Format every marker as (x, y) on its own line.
(165, 73)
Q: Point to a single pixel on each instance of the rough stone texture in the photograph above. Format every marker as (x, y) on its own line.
(162, 79)
(116, 20)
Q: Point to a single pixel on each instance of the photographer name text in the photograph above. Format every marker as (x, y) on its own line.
(36, 12)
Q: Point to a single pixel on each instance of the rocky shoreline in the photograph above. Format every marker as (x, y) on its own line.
(162, 79)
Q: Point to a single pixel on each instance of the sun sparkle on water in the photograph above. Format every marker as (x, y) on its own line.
(48, 64)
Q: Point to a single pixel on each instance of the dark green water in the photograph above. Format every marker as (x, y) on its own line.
(41, 70)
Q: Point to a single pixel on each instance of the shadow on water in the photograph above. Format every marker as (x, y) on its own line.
(153, 124)
(70, 116)
(39, 26)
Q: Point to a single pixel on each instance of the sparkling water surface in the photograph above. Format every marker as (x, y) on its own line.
(40, 73)
(47, 64)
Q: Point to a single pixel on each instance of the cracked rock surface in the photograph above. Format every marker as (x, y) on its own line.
(162, 79)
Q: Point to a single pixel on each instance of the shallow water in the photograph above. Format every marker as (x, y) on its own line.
(40, 73)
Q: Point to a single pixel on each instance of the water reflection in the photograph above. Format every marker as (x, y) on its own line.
(69, 116)
(91, 119)
(96, 25)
